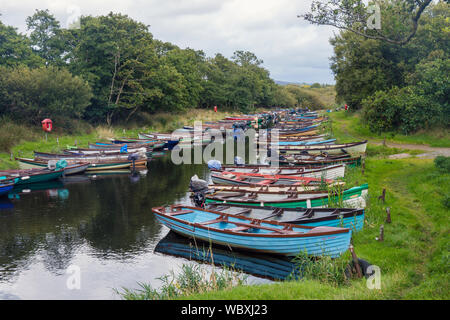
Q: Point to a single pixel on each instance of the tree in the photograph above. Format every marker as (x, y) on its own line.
(355, 16)
(46, 36)
(116, 55)
(15, 49)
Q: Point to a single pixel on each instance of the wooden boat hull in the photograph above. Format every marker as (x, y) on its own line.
(35, 176)
(236, 178)
(5, 188)
(348, 161)
(315, 241)
(84, 158)
(351, 198)
(326, 172)
(350, 148)
(268, 188)
(92, 165)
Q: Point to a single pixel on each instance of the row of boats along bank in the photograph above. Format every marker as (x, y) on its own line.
(299, 205)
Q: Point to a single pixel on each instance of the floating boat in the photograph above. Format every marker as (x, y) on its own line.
(269, 188)
(148, 143)
(311, 160)
(31, 175)
(86, 157)
(254, 234)
(352, 198)
(331, 217)
(6, 187)
(300, 143)
(239, 178)
(318, 172)
(93, 164)
(350, 148)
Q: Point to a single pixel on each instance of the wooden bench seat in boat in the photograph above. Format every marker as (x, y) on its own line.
(250, 225)
(178, 212)
(265, 182)
(225, 195)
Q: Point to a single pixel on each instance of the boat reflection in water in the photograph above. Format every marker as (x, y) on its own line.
(56, 188)
(52, 189)
(257, 264)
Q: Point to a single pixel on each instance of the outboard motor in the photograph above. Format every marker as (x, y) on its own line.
(199, 187)
(199, 199)
(133, 157)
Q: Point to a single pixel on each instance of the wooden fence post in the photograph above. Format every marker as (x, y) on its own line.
(388, 215)
(355, 261)
(381, 237)
(383, 195)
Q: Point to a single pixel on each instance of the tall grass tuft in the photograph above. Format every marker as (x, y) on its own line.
(193, 279)
(104, 132)
(12, 133)
(324, 269)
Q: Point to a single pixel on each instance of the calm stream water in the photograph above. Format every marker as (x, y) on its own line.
(102, 225)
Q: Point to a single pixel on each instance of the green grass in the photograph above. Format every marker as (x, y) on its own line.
(413, 258)
(347, 127)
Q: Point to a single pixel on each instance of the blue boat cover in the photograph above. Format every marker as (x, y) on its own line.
(214, 164)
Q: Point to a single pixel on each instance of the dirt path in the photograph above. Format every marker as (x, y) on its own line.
(429, 152)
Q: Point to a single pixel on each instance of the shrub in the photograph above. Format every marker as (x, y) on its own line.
(442, 163)
(400, 110)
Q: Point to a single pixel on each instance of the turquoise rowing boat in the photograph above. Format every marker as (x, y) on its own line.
(254, 234)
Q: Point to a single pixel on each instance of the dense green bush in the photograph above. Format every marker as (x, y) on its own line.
(401, 110)
(30, 95)
(442, 163)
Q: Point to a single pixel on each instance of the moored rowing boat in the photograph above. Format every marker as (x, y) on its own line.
(252, 234)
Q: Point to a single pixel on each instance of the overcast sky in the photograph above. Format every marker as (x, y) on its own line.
(292, 50)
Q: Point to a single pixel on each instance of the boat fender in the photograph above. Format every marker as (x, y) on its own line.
(51, 164)
(364, 265)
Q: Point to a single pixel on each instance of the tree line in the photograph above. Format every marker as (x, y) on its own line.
(110, 68)
(397, 76)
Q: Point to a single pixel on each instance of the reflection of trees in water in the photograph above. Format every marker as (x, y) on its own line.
(111, 214)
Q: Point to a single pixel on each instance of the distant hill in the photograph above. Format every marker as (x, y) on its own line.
(285, 83)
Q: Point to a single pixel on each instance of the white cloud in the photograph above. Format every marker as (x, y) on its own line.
(292, 50)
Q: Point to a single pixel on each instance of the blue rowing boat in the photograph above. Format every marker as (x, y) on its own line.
(305, 143)
(6, 187)
(254, 234)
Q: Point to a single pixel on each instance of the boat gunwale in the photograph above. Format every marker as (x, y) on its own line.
(161, 212)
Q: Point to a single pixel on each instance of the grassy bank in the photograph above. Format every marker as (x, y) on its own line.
(413, 258)
(348, 127)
